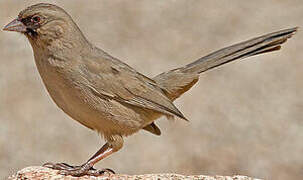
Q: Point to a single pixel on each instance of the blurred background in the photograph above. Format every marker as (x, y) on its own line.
(245, 117)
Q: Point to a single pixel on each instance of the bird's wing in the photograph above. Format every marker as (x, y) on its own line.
(112, 79)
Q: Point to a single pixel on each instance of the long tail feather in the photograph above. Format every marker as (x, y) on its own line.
(259, 45)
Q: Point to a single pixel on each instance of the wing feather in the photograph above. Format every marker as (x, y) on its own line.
(111, 78)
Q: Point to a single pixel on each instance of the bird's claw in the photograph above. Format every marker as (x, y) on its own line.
(66, 169)
(59, 166)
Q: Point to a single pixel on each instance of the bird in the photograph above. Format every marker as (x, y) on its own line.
(105, 94)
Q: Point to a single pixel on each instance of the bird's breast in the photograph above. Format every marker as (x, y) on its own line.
(62, 81)
(68, 87)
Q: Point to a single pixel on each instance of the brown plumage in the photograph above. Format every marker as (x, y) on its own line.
(105, 94)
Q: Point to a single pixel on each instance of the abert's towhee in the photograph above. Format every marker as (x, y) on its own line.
(105, 94)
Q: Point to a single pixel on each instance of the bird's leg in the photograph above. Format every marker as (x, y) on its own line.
(87, 168)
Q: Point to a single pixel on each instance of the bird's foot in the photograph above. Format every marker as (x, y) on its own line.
(66, 169)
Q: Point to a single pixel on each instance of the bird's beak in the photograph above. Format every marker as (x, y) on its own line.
(15, 25)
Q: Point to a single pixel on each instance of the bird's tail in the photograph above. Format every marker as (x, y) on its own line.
(177, 81)
(259, 45)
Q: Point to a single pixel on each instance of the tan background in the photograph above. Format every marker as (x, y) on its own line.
(245, 117)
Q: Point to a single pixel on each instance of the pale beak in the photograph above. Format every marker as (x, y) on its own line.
(15, 25)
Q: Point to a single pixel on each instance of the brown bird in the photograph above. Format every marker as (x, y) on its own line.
(105, 94)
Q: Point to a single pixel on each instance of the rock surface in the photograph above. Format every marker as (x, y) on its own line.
(38, 173)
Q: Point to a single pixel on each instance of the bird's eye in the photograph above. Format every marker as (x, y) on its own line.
(36, 19)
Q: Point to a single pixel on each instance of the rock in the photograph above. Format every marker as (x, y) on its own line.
(38, 172)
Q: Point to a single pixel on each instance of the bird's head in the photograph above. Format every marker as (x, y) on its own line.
(45, 23)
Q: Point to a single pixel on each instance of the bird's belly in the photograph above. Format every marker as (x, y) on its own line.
(106, 116)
